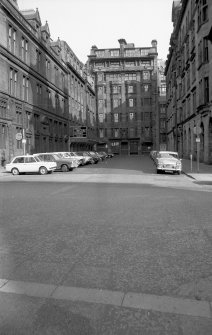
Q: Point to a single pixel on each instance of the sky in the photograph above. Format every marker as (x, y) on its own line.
(83, 23)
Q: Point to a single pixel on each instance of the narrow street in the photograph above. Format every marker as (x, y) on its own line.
(111, 248)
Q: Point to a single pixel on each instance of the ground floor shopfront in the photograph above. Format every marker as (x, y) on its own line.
(125, 146)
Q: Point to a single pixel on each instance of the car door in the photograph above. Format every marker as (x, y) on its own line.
(31, 164)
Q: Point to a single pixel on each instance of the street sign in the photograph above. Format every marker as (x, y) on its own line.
(197, 130)
(24, 141)
(18, 136)
(198, 139)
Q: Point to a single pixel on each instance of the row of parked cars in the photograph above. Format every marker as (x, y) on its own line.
(48, 162)
(166, 161)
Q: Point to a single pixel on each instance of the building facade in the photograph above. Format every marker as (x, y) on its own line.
(82, 103)
(126, 95)
(43, 94)
(189, 80)
(161, 130)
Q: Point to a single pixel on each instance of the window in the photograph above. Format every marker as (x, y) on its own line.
(114, 64)
(100, 90)
(129, 64)
(3, 108)
(12, 39)
(24, 49)
(131, 116)
(130, 102)
(114, 53)
(101, 133)
(146, 75)
(194, 101)
(100, 77)
(202, 12)
(100, 103)
(25, 88)
(116, 117)
(116, 132)
(130, 89)
(206, 89)
(130, 76)
(2, 136)
(116, 102)
(146, 88)
(28, 117)
(19, 117)
(13, 82)
(116, 89)
(205, 49)
(38, 59)
(101, 117)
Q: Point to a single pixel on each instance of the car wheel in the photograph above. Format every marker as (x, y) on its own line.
(64, 168)
(43, 170)
(15, 172)
(158, 171)
(179, 172)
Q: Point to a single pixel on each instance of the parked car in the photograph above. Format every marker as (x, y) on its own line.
(66, 155)
(29, 164)
(166, 162)
(94, 156)
(88, 159)
(103, 154)
(62, 164)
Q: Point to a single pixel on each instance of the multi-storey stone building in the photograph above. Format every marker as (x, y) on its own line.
(161, 118)
(189, 80)
(43, 94)
(126, 93)
(82, 102)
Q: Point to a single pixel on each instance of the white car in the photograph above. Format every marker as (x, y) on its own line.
(167, 162)
(29, 164)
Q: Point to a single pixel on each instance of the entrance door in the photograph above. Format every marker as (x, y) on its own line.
(134, 148)
(124, 148)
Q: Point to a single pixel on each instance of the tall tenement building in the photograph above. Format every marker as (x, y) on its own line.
(47, 97)
(127, 96)
(189, 80)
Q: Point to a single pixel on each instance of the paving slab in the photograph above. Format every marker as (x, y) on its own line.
(167, 304)
(89, 295)
(30, 289)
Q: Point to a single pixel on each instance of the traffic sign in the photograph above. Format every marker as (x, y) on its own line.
(197, 130)
(18, 136)
(198, 139)
(24, 141)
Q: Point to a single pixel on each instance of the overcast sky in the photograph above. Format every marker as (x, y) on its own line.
(83, 23)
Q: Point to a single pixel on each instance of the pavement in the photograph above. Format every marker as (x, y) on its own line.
(202, 174)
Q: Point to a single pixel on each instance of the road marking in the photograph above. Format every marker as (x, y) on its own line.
(163, 304)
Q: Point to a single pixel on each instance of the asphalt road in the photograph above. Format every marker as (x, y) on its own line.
(108, 241)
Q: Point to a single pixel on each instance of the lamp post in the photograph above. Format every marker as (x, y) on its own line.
(197, 131)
